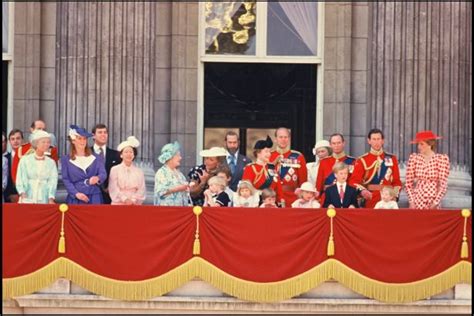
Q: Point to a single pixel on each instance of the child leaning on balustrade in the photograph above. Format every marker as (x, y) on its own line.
(388, 196)
(215, 196)
(268, 198)
(246, 195)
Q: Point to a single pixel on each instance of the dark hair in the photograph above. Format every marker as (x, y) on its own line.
(231, 133)
(336, 134)
(431, 143)
(266, 193)
(375, 131)
(14, 131)
(285, 128)
(99, 126)
(135, 151)
(224, 169)
(34, 123)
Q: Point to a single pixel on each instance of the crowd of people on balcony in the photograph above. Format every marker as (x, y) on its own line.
(280, 177)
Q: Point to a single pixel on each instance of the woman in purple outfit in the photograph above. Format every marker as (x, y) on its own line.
(82, 171)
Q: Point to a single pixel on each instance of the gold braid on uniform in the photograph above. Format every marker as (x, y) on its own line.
(258, 175)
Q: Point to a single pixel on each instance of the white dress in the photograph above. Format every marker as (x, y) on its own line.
(251, 201)
(386, 205)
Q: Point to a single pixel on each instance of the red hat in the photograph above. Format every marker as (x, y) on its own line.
(424, 135)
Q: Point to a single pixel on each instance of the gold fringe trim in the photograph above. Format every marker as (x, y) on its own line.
(242, 289)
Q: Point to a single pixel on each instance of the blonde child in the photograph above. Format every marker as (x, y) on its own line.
(246, 195)
(268, 198)
(215, 195)
(388, 196)
(306, 194)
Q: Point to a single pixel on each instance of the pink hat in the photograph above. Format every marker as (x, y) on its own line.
(423, 136)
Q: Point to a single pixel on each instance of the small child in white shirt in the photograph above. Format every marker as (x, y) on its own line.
(388, 196)
(215, 195)
(246, 195)
(307, 194)
(269, 198)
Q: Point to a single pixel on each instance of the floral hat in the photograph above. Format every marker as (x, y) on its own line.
(168, 151)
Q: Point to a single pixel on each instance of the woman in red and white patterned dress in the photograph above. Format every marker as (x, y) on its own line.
(427, 173)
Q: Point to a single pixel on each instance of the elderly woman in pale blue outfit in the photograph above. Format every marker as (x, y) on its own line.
(171, 186)
(37, 176)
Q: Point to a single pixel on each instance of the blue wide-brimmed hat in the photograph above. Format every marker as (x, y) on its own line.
(168, 151)
(75, 130)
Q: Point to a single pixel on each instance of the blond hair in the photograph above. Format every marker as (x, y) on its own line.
(390, 190)
(338, 166)
(247, 185)
(217, 181)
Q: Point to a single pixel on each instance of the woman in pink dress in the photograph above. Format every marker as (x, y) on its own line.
(427, 173)
(127, 182)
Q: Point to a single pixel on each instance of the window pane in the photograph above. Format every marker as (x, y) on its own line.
(5, 27)
(230, 27)
(292, 28)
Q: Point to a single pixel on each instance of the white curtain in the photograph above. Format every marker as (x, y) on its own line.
(219, 8)
(5, 26)
(304, 18)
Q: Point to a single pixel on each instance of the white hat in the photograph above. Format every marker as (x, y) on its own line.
(37, 134)
(319, 144)
(307, 186)
(213, 152)
(131, 141)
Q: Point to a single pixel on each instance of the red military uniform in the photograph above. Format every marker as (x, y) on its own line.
(23, 150)
(326, 176)
(263, 177)
(291, 167)
(374, 170)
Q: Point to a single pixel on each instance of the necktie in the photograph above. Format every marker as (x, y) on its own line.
(232, 164)
(101, 152)
(341, 193)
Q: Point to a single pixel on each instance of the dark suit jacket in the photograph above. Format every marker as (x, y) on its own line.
(332, 197)
(242, 161)
(10, 189)
(112, 158)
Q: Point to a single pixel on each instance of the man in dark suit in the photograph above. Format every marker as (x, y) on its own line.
(235, 161)
(111, 156)
(15, 137)
(340, 194)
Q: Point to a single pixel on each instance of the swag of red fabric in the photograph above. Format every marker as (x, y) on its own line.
(141, 242)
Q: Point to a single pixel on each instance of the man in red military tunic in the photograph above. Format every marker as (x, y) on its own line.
(374, 170)
(290, 164)
(26, 148)
(326, 176)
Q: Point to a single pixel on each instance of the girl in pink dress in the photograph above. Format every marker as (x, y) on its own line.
(427, 173)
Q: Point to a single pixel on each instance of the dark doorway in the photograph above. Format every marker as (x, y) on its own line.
(4, 95)
(257, 98)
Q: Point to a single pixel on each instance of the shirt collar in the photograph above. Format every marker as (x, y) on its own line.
(97, 148)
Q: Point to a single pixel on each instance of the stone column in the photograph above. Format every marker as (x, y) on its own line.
(337, 69)
(26, 63)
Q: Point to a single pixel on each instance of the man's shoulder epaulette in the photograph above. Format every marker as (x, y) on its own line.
(295, 152)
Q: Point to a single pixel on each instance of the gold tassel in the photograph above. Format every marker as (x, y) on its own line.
(331, 246)
(62, 240)
(330, 251)
(62, 244)
(197, 247)
(464, 246)
(197, 210)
